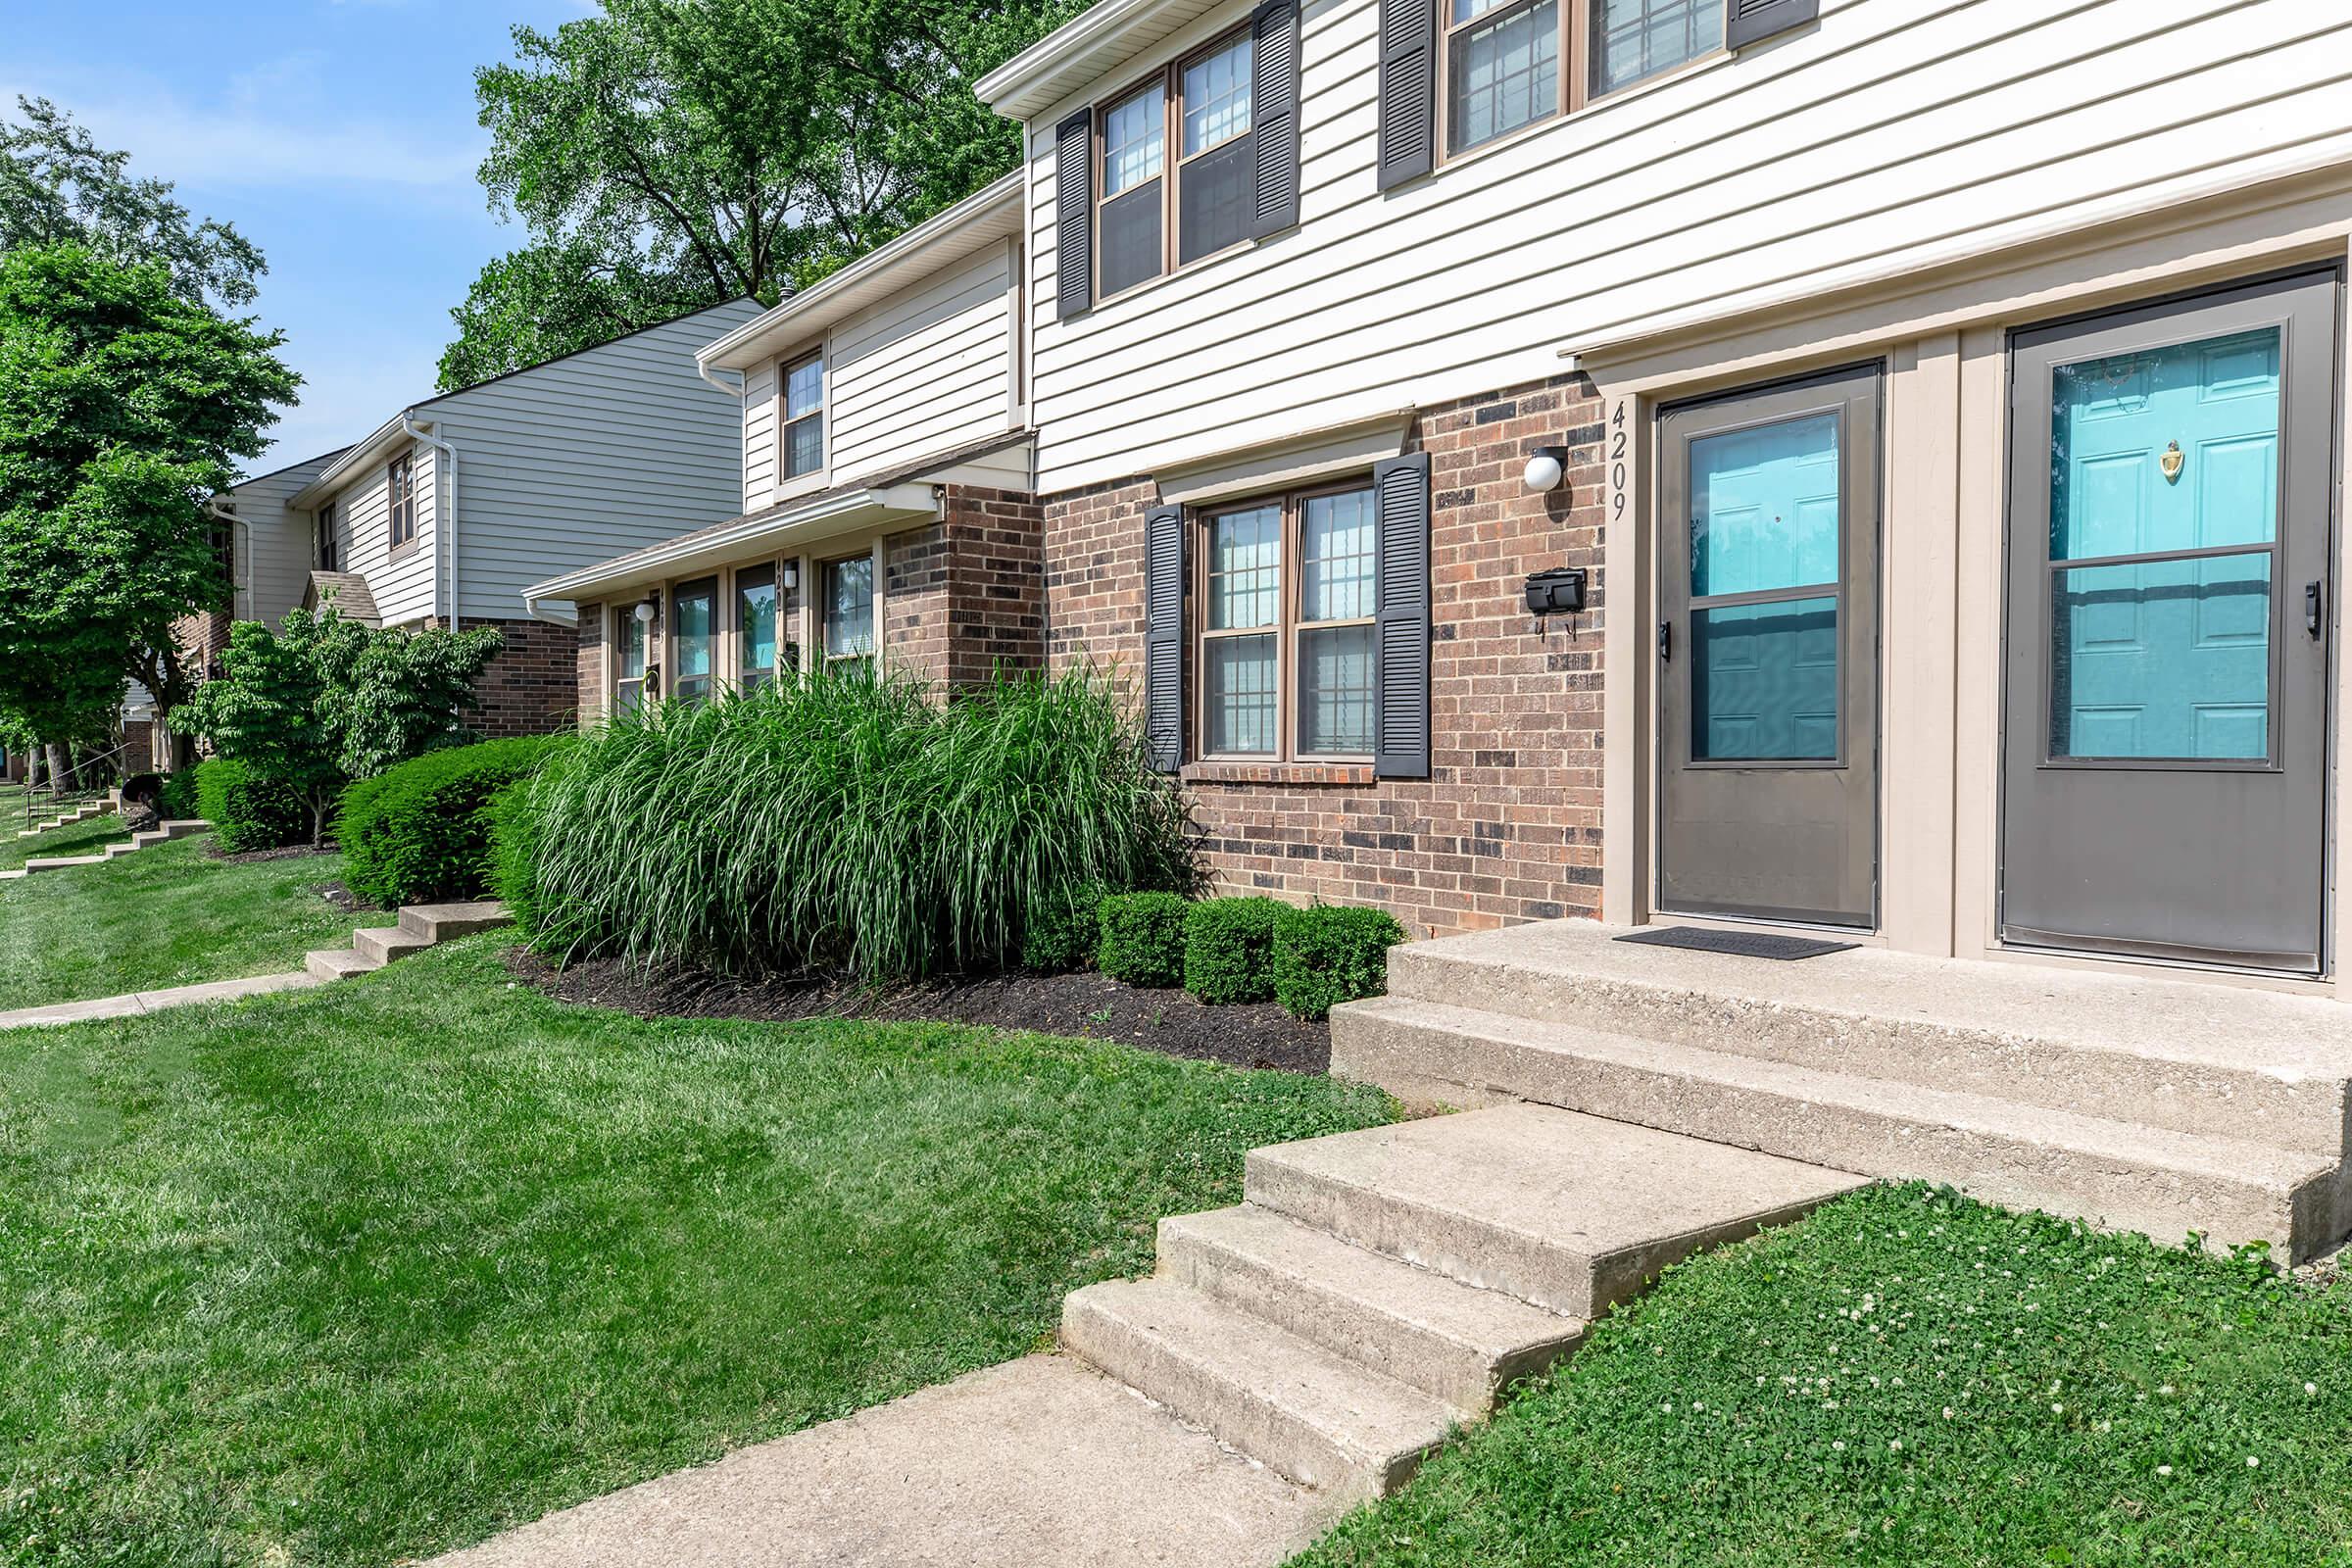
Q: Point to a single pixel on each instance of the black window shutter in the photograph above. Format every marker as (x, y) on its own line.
(1164, 636)
(1408, 90)
(1401, 627)
(1751, 21)
(1274, 115)
(1074, 220)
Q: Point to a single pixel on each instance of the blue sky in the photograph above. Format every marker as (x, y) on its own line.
(338, 135)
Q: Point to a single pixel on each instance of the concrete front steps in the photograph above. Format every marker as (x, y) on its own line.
(161, 833)
(2136, 1103)
(421, 926)
(1376, 1290)
(80, 814)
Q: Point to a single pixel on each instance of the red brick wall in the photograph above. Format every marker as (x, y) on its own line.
(533, 686)
(1508, 825)
(914, 602)
(995, 600)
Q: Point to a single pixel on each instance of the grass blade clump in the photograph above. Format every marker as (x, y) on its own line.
(841, 822)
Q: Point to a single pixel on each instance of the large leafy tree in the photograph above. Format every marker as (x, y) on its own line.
(321, 701)
(123, 407)
(666, 155)
(58, 186)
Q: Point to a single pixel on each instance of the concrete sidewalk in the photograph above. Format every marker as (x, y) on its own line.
(144, 1001)
(1038, 1463)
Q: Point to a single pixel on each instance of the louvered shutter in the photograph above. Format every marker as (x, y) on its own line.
(1408, 90)
(1074, 222)
(1164, 636)
(1401, 627)
(1751, 21)
(1274, 113)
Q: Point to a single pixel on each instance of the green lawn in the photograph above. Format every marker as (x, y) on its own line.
(168, 916)
(1910, 1378)
(346, 1276)
(78, 838)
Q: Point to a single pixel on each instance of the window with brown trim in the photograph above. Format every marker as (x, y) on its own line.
(849, 610)
(631, 638)
(803, 416)
(694, 638)
(755, 626)
(1150, 217)
(1510, 64)
(1284, 657)
(400, 482)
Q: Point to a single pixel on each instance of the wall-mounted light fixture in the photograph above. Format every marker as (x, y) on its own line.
(1545, 468)
(789, 576)
(648, 608)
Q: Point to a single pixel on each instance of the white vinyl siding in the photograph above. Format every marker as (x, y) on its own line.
(930, 371)
(405, 585)
(274, 543)
(1889, 135)
(759, 435)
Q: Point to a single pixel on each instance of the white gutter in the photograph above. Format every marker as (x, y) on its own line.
(530, 608)
(423, 432)
(736, 391)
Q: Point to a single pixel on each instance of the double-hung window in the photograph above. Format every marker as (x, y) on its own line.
(1511, 63)
(1285, 657)
(805, 417)
(695, 636)
(400, 483)
(1150, 216)
(847, 588)
(755, 627)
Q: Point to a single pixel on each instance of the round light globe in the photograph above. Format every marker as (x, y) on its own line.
(644, 612)
(1542, 473)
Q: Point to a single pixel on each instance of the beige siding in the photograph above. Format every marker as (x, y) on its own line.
(274, 543)
(404, 586)
(759, 435)
(1898, 133)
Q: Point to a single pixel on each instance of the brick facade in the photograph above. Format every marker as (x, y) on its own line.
(1507, 827)
(533, 686)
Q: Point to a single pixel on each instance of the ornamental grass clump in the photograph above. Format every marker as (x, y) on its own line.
(843, 822)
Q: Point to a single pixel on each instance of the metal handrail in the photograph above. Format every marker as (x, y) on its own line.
(57, 794)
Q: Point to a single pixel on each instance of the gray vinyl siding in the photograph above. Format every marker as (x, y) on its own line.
(586, 458)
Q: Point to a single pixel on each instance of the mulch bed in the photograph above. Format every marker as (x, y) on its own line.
(1087, 1006)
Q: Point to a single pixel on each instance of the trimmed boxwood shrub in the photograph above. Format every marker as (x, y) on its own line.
(419, 833)
(1229, 950)
(1061, 933)
(179, 802)
(1326, 956)
(842, 822)
(248, 812)
(1143, 939)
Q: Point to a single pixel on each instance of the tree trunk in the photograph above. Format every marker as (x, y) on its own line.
(59, 777)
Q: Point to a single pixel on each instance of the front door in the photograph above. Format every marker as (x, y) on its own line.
(2168, 612)
(1768, 653)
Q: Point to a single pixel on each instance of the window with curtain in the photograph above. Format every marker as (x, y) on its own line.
(849, 610)
(694, 619)
(1285, 650)
(805, 417)
(756, 648)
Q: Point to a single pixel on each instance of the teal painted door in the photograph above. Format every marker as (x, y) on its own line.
(2168, 649)
(1768, 668)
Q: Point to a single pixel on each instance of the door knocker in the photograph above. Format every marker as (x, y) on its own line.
(2172, 462)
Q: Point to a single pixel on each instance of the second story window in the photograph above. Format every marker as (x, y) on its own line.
(399, 481)
(1203, 106)
(1505, 58)
(805, 417)
(325, 527)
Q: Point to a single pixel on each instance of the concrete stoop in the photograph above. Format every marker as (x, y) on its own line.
(2136, 1104)
(421, 926)
(80, 814)
(1377, 1289)
(161, 833)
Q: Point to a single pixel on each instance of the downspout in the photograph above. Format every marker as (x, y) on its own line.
(449, 524)
(704, 370)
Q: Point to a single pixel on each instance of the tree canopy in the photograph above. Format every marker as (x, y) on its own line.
(56, 188)
(124, 405)
(667, 154)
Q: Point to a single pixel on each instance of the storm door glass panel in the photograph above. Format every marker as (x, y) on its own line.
(1504, 71)
(696, 628)
(628, 682)
(1766, 543)
(1240, 648)
(2164, 517)
(1335, 601)
(755, 626)
(849, 610)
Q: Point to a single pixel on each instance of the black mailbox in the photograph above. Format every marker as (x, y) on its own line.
(1560, 591)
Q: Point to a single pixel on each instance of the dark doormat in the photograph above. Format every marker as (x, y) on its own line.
(1745, 944)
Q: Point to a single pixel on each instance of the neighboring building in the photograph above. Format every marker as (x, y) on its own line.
(886, 508)
(1340, 344)
(456, 502)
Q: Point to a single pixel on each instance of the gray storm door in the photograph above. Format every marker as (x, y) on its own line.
(1766, 653)
(2166, 713)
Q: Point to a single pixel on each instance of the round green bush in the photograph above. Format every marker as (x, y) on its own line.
(1143, 939)
(179, 802)
(1229, 950)
(1329, 954)
(1062, 929)
(248, 812)
(419, 833)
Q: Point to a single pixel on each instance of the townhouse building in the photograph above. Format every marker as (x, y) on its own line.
(1867, 465)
